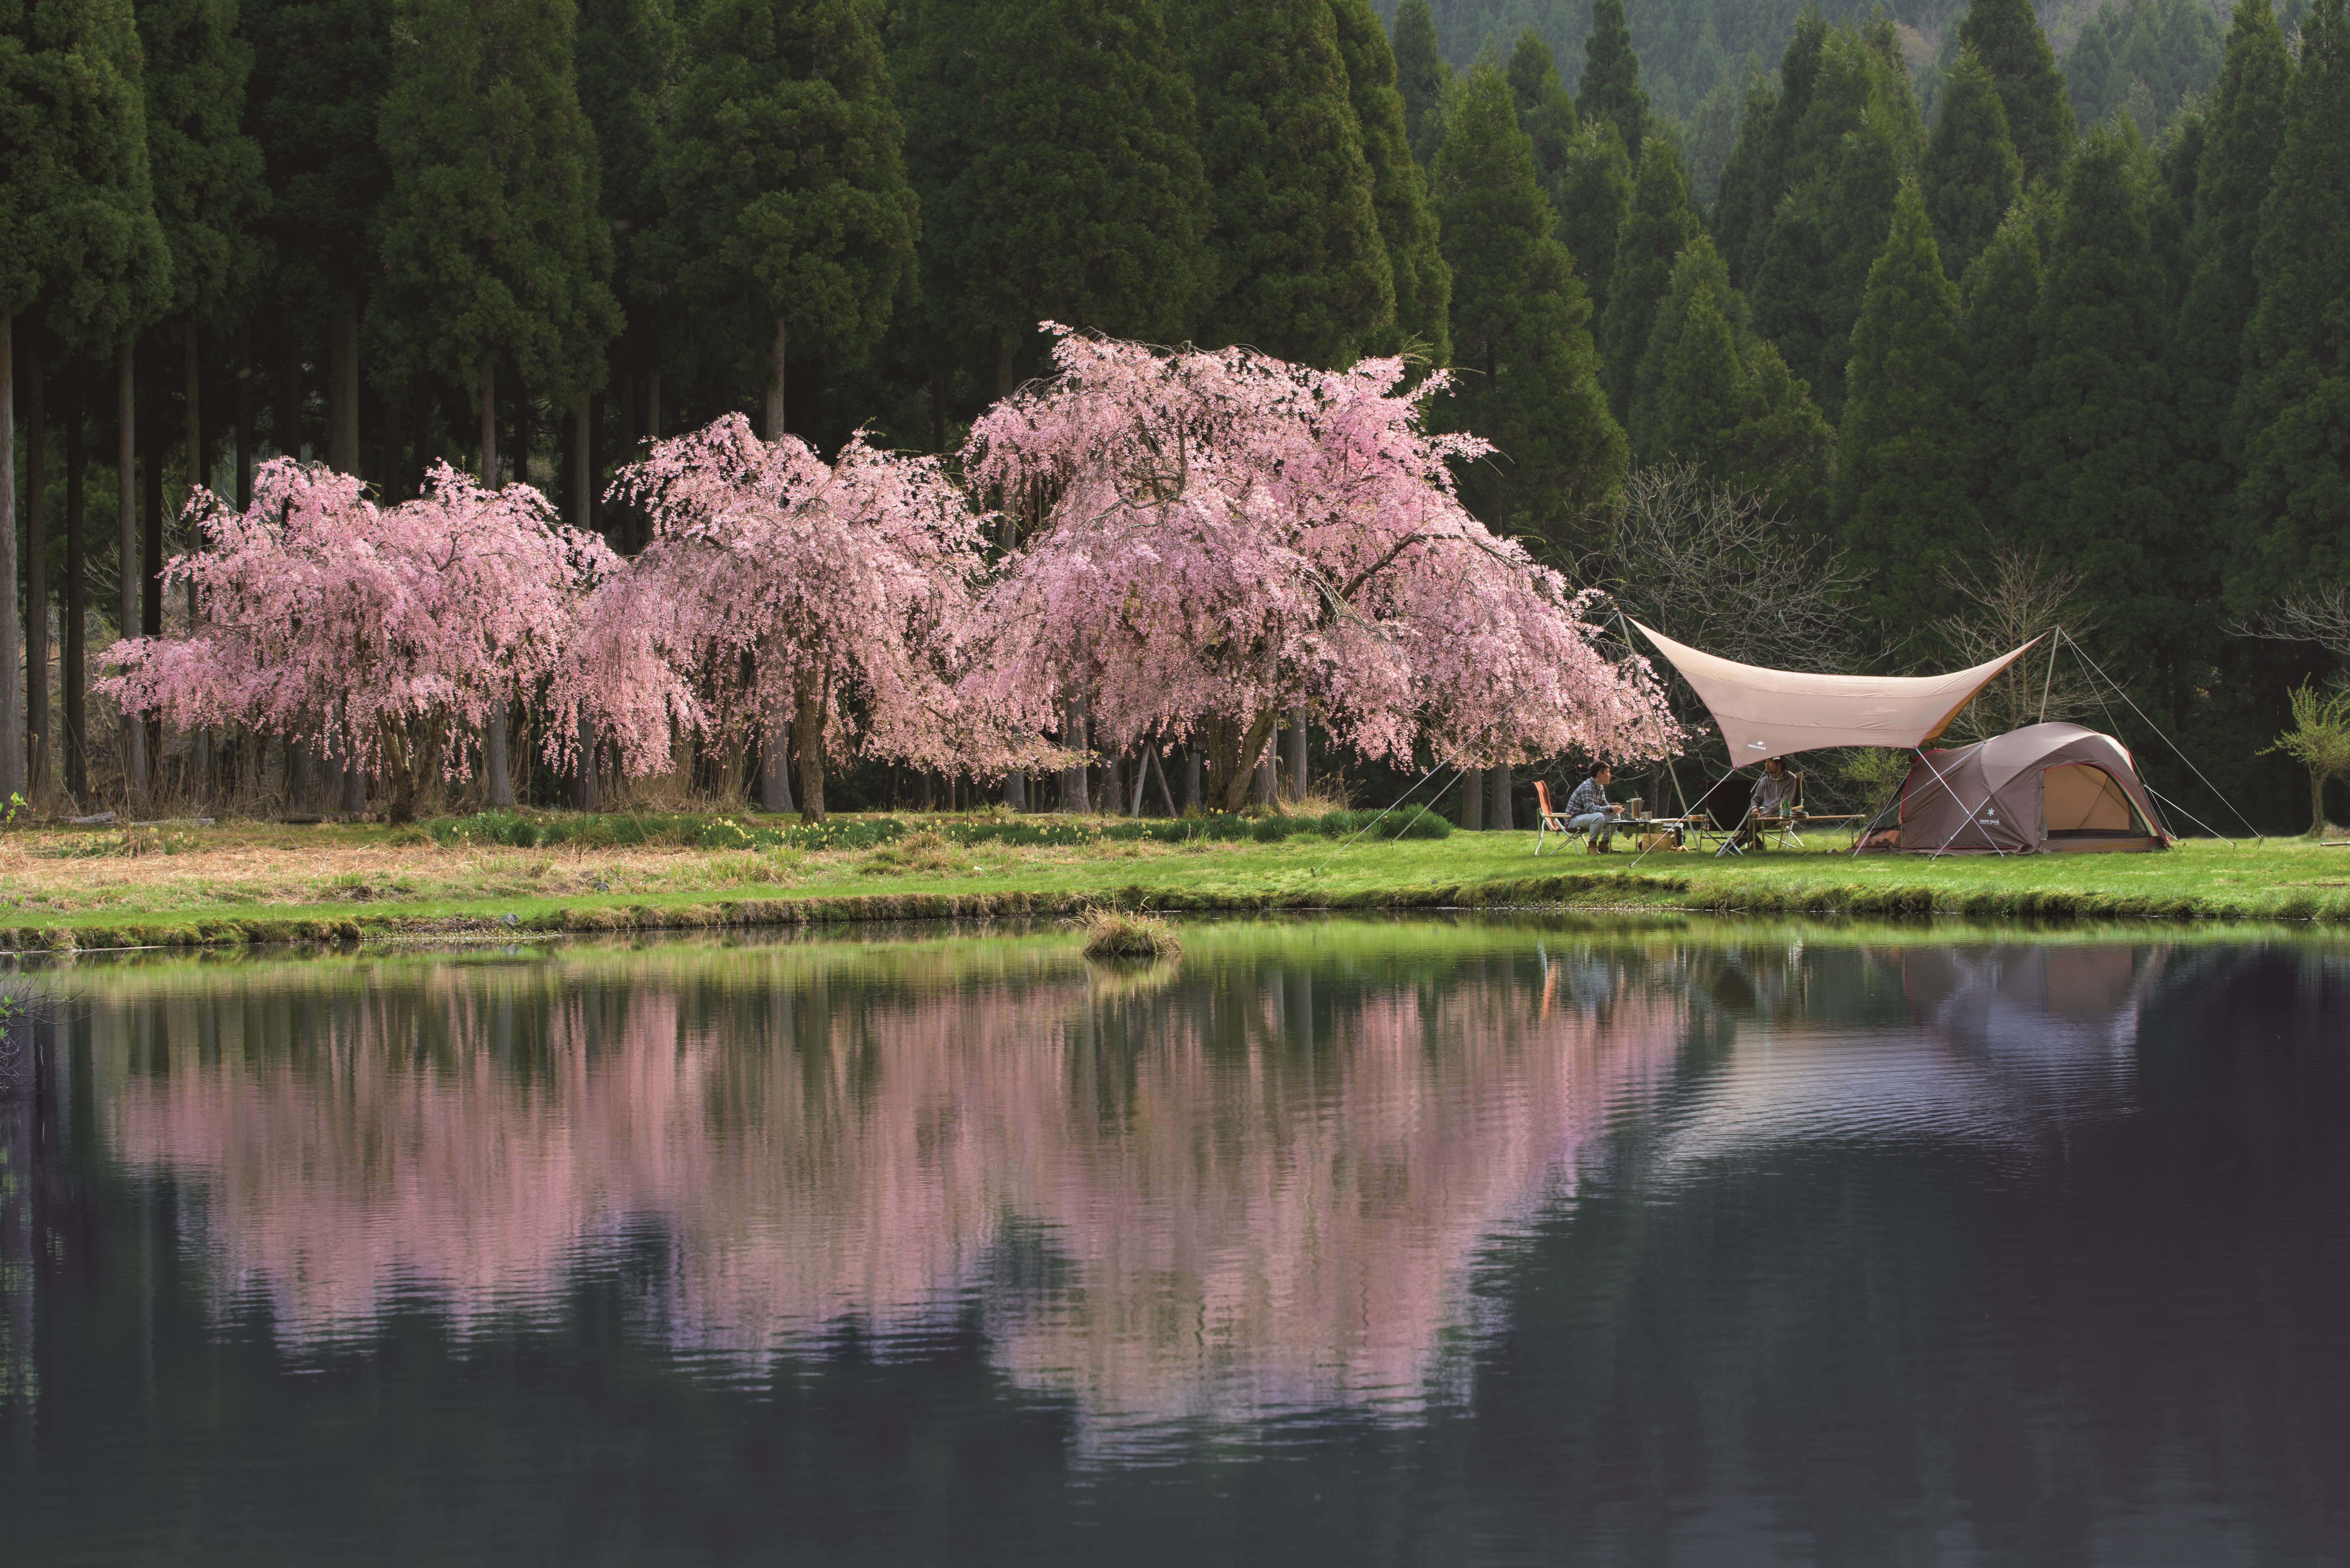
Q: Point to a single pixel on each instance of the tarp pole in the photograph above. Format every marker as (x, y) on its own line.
(1632, 649)
(2048, 681)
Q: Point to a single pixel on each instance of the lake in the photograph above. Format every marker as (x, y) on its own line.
(1333, 1241)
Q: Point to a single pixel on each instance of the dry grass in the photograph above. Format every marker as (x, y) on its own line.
(235, 867)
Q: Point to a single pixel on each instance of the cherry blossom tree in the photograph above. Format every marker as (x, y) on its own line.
(384, 634)
(1219, 537)
(778, 590)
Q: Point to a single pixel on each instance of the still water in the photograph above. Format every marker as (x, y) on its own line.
(1343, 1242)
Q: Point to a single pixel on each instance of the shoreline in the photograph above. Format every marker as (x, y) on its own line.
(1598, 893)
(244, 884)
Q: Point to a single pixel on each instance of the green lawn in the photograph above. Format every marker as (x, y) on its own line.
(258, 882)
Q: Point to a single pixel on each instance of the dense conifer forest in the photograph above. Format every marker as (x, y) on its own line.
(1997, 321)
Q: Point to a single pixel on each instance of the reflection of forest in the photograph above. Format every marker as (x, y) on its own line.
(1258, 1187)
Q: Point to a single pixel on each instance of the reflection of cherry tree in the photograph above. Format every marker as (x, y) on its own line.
(1252, 1196)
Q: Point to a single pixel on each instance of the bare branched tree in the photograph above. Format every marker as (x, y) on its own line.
(1717, 568)
(2018, 597)
(2321, 615)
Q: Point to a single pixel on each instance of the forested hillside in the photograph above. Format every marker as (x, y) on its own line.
(1693, 51)
(1867, 341)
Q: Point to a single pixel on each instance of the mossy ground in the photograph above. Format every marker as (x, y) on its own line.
(259, 882)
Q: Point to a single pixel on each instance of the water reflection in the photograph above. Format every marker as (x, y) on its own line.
(1245, 1193)
(1994, 1046)
(1400, 1243)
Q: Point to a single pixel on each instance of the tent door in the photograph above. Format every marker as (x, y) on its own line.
(2081, 800)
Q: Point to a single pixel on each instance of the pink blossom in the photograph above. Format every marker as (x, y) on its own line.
(779, 590)
(1219, 537)
(383, 633)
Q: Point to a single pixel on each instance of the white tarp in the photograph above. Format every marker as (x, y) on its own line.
(1774, 712)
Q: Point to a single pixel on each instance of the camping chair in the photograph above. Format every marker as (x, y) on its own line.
(1782, 832)
(1546, 818)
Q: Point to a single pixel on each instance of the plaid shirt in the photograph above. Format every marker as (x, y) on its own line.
(1587, 798)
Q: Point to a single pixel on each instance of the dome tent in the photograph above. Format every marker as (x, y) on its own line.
(2045, 787)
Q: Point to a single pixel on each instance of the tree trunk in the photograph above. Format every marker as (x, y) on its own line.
(200, 757)
(289, 398)
(39, 766)
(489, 432)
(775, 776)
(354, 778)
(807, 737)
(1192, 799)
(298, 778)
(12, 682)
(776, 425)
(1296, 753)
(72, 680)
(150, 539)
(1234, 753)
(589, 799)
(582, 469)
(519, 453)
(1498, 815)
(244, 417)
(1472, 800)
(652, 389)
(1268, 790)
(1158, 776)
(1015, 790)
(498, 781)
(1007, 366)
(343, 387)
(1073, 779)
(126, 457)
(2316, 803)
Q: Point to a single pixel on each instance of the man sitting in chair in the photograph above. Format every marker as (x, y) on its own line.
(1775, 793)
(1589, 812)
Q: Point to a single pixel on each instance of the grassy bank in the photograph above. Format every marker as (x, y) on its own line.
(247, 883)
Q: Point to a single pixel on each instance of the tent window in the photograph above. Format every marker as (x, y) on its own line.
(2080, 800)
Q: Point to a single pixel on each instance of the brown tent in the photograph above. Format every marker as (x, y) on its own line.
(2043, 787)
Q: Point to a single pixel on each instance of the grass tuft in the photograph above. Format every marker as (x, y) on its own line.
(1117, 934)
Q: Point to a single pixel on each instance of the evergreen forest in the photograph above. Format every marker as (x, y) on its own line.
(1980, 321)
